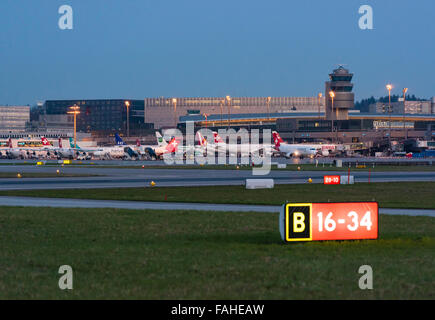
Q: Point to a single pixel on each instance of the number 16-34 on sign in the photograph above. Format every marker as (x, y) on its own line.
(329, 221)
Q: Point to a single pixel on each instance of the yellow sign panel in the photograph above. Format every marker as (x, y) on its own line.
(298, 221)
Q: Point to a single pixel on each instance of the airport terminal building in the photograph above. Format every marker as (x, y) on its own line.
(298, 118)
(14, 119)
(99, 116)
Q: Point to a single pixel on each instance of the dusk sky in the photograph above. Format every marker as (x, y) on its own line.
(189, 48)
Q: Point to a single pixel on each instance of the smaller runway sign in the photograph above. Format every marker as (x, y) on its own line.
(329, 221)
(331, 180)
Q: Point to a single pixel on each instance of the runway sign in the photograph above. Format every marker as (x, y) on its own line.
(331, 180)
(329, 221)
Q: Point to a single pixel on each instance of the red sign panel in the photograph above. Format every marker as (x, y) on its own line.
(331, 221)
(331, 180)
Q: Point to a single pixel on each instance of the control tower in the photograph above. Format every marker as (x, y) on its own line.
(340, 84)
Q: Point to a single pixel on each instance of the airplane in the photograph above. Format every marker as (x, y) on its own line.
(116, 151)
(293, 150)
(120, 149)
(322, 149)
(185, 150)
(11, 152)
(59, 152)
(233, 149)
(157, 152)
(130, 151)
(82, 154)
(139, 150)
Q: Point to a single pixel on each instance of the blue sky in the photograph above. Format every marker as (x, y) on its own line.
(142, 48)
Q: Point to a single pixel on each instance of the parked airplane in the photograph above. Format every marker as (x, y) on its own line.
(322, 149)
(120, 150)
(190, 150)
(141, 150)
(293, 150)
(233, 149)
(157, 152)
(130, 151)
(59, 152)
(11, 152)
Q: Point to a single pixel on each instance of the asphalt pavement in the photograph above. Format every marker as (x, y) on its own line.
(139, 205)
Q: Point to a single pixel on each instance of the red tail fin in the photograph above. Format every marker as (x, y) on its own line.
(276, 139)
(60, 143)
(45, 141)
(137, 142)
(172, 145)
(202, 140)
(217, 138)
(10, 143)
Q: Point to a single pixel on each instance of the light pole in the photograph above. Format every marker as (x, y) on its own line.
(174, 102)
(268, 107)
(389, 87)
(405, 136)
(206, 117)
(222, 109)
(332, 95)
(320, 97)
(229, 110)
(127, 104)
(74, 110)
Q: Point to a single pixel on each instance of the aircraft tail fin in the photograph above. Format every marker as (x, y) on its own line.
(276, 139)
(45, 142)
(161, 142)
(71, 144)
(119, 140)
(173, 145)
(202, 140)
(217, 138)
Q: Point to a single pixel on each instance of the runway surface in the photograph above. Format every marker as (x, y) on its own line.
(122, 178)
(139, 205)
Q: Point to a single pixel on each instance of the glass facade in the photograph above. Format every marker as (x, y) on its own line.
(101, 115)
(14, 118)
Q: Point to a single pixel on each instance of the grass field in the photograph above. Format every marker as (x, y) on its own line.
(204, 255)
(389, 195)
(5, 175)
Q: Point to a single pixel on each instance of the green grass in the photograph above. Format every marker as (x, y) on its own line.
(4, 175)
(389, 195)
(122, 254)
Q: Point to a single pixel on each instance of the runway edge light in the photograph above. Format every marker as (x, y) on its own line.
(329, 221)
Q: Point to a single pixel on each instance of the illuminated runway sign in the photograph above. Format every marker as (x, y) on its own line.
(331, 180)
(329, 221)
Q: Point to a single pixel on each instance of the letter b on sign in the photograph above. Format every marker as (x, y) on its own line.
(298, 222)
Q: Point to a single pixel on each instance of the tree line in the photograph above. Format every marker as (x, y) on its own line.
(364, 104)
